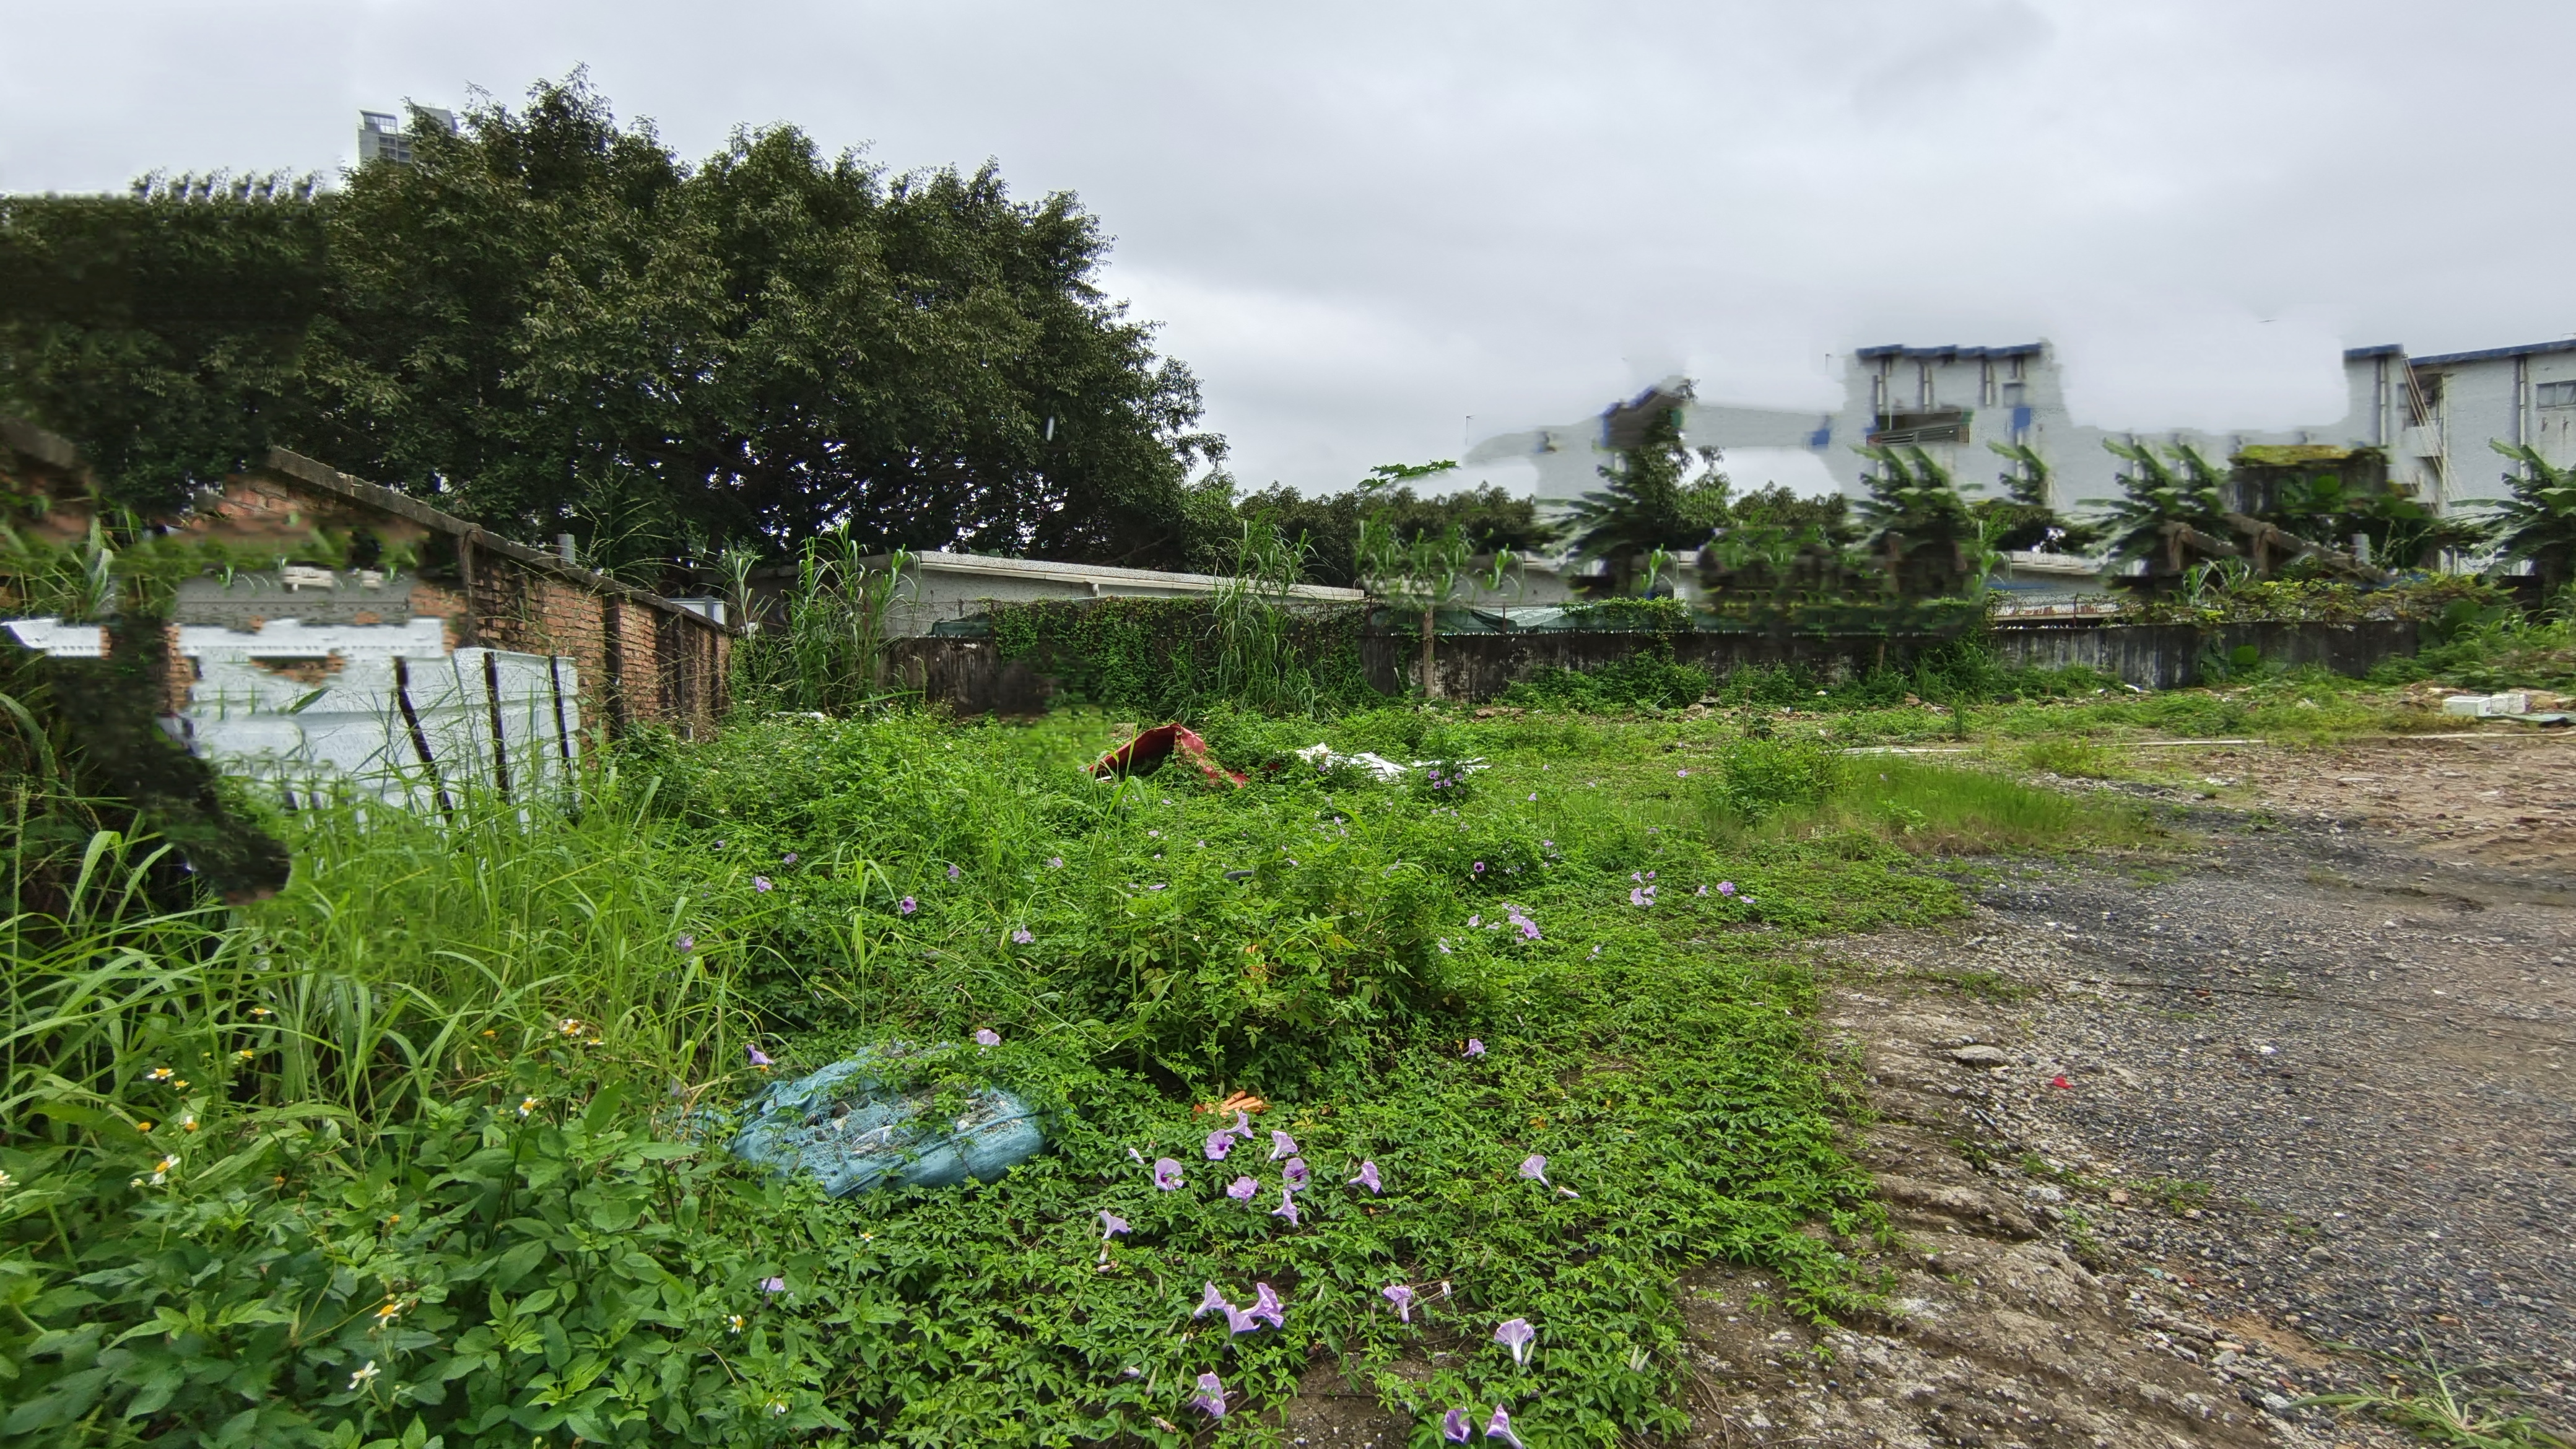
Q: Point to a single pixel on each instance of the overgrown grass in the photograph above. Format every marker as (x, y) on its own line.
(425, 1145)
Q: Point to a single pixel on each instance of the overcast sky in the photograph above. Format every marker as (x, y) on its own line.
(1378, 230)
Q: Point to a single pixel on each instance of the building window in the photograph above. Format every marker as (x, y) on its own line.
(1923, 385)
(2558, 394)
(2016, 394)
(1931, 425)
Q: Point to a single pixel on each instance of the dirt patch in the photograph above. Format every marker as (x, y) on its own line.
(2506, 799)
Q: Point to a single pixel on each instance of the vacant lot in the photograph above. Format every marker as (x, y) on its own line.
(2305, 1087)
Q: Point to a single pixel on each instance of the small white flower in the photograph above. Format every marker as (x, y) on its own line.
(363, 1376)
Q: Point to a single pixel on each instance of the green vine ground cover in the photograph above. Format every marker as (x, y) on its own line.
(421, 1151)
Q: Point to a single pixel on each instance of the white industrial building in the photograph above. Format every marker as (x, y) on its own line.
(2434, 415)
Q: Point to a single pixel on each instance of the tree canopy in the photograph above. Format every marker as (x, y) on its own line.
(550, 322)
(1485, 516)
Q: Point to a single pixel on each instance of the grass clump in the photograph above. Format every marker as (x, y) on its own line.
(429, 1145)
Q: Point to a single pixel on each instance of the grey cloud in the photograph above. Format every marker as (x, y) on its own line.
(1363, 223)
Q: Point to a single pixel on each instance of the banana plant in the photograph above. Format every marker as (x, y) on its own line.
(2538, 522)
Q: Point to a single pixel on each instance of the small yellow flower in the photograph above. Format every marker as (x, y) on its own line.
(159, 1074)
(363, 1376)
(7, 1182)
(389, 1312)
(571, 1026)
(143, 1126)
(733, 1324)
(867, 1237)
(188, 1123)
(261, 1011)
(245, 1054)
(527, 1105)
(489, 1032)
(179, 1081)
(392, 1218)
(166, 1164)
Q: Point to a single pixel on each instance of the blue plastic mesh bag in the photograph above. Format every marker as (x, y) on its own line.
(847, 1130)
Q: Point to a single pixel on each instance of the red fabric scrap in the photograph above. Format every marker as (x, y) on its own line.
(2062, 1083)
(1145, 753)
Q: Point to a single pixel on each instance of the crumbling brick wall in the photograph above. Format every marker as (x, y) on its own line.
(641, 659)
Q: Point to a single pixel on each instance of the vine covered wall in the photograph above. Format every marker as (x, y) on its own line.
(1171, 658)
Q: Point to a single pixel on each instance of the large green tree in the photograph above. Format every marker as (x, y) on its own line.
(1486, 517)
(162, 329)
(551, 323)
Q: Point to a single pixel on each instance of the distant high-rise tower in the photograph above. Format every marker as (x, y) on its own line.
(382, 138)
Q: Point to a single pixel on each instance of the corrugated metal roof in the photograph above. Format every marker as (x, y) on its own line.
(1105, 574)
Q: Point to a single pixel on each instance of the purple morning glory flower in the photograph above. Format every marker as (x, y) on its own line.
(1480, 867)
(788, 859)
(686, 944)
(1242, 1124)
(1021, 937)
(1703, 890)
(1219, 1143)
(907, 905)
(1242, 1189)
(1368, 1177)
(952, 872)
(1210, 1301)
(986, 1036)
(1210, 1399)
(1475, 1047)
(1529, 929)
(1238, 1320)
(1726, 887)
(1685, 774)
(1167, 1173)
(1640, 898)
(1055, 862)
(759, 1058)
(1515, 1334)
(1402, 1298)
(773, 1285)
(1500, 1427)
(1287, 1207)
(1281, 1145)
(760, 882)
(1295, 1173)
(1475, 921)
(1111, 1225)
(1535, 1166)
(1266, 1304)
(1453, 1426)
